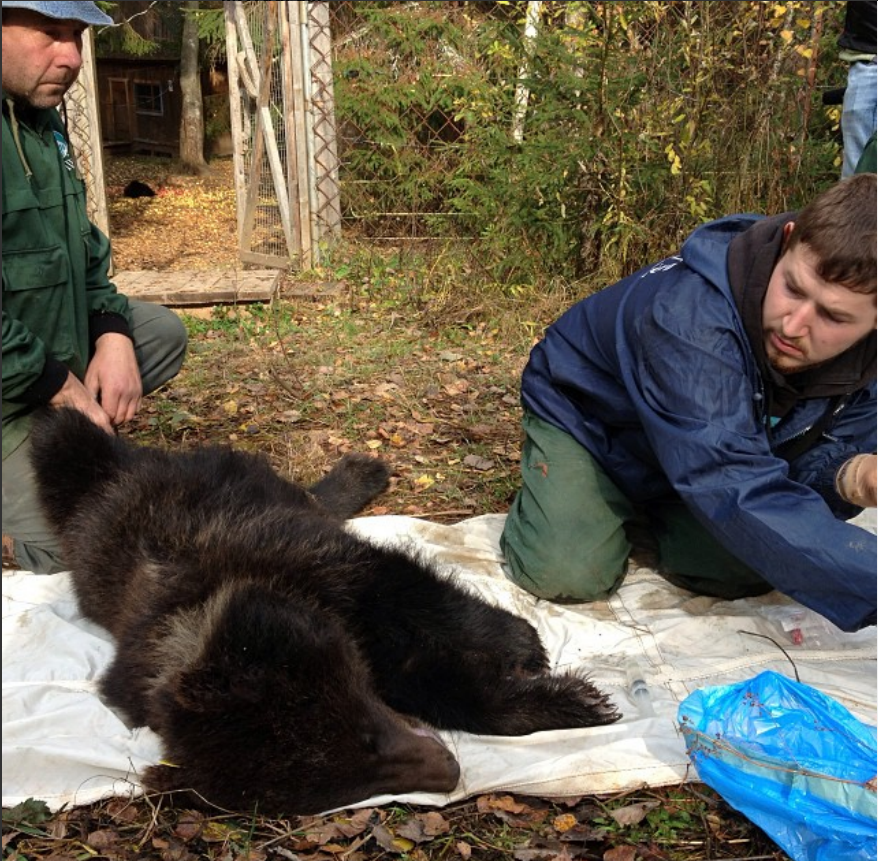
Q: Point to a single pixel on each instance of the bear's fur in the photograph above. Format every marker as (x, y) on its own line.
(286, 664)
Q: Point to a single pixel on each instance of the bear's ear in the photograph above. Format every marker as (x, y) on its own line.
(214, 688)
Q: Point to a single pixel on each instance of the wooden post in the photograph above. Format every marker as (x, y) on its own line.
(288, 39)
(328, 196)
(229, 9)
(85, 134)
(297, 119)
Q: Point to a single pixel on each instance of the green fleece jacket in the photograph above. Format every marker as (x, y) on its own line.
(57, 296)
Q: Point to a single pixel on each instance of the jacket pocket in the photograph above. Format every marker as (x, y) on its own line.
(36, 293)
(42, 268)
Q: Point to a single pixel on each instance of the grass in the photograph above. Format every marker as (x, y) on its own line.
(684, 824)
(307, 380)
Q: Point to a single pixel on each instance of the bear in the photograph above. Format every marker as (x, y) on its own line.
(288, 666)
(136, 188)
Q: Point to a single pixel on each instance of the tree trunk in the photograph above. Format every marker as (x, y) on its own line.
(192, 118)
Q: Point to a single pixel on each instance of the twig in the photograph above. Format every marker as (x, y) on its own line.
(772, 640)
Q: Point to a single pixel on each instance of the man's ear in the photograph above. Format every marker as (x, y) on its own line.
(787, 232)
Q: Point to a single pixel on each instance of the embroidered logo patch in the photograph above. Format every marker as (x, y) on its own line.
(64, 149)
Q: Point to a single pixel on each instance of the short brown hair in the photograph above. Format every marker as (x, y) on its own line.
(839, 227)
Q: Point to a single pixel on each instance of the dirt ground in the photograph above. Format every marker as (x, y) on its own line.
(426, 375)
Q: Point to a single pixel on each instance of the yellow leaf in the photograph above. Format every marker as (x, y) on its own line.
(807, 53)
(373, 443)
(231, 407)
(219, 832)
(564, 822)
(787, 36)
(425, 481)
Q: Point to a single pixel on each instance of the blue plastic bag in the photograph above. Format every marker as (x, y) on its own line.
(792, 760)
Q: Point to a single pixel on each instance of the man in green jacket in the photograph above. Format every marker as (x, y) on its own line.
(69, 338)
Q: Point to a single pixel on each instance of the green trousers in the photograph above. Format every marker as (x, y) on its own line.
(160, 345)
(565, 537)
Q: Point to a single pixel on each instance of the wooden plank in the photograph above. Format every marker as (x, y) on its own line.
(260, 259)
(196, 287)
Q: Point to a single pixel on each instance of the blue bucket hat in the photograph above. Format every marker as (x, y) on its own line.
(87, 13)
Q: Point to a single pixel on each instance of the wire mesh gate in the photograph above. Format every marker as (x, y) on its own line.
(283, 130)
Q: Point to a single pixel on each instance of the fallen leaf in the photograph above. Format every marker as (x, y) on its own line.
(480, 463)
(564, 822)
(633, 813)
(360, 820)
(423, 827)
(219, 832)
(189, 826)
(386, 839)
(620, 853)
(103, 838)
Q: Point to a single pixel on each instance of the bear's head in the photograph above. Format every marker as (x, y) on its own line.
(265, 703)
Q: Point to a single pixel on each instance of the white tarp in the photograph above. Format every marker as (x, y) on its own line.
(62, 745)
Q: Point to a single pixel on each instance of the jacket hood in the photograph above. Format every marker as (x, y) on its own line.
(705, 250)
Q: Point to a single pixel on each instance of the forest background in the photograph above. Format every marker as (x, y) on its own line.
(572, 152)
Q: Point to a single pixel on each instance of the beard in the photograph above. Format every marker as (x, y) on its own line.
(48, 95)
(777, 364)
(44, 94)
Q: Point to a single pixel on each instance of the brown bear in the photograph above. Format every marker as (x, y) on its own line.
(288, 666)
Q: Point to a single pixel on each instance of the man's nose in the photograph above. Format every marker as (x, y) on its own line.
(798, 320)
(68, 55)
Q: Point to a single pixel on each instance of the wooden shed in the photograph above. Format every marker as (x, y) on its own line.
(140, 104)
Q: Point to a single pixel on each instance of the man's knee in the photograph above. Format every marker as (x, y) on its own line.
(29, 543)
(562, 568)
(37, 557)
(160, 341)
(172, 335)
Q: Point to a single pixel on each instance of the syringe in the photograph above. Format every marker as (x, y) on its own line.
(638, 688)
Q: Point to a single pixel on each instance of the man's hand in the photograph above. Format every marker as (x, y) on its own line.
(113, 378)
(74, 394)
(856, 480)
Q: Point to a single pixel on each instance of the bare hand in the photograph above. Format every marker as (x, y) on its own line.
(74, 394)
(867, 470)
(113, 377)
(857, 480)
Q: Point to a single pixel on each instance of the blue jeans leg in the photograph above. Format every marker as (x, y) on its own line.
(858, 113)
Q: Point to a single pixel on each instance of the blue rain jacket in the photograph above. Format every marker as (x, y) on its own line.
(655, 376)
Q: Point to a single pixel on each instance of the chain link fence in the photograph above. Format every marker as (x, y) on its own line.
(562, 135)
(574, 138)
(81, 115)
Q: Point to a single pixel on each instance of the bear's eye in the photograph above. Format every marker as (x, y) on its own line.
(369, 742)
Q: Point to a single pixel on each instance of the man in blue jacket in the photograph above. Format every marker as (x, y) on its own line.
(728, 395)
